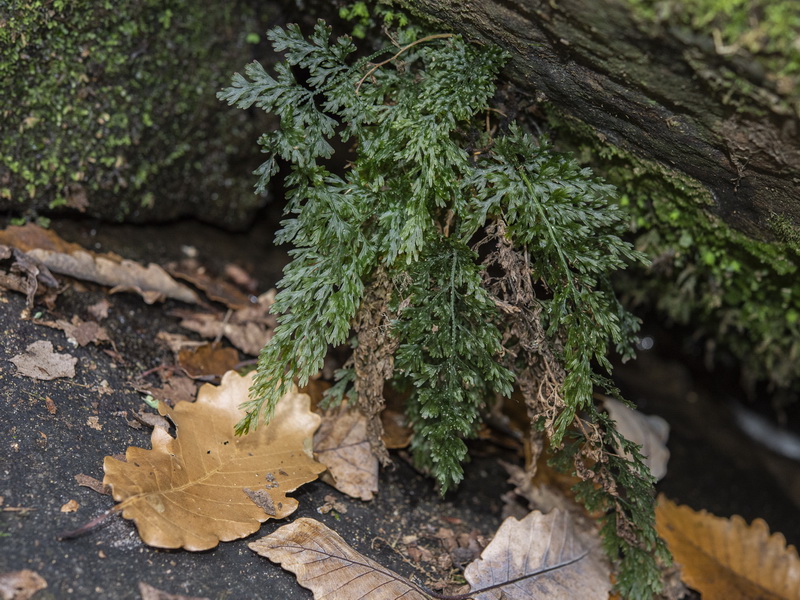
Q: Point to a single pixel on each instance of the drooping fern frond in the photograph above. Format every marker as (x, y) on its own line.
(388, 245)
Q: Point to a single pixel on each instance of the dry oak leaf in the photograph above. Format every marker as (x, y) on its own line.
(567, 566)
(20, 585)
(324, 563)
(649, 431)
(40, 362)
(189, 491)
(727, 559)
(342, 444)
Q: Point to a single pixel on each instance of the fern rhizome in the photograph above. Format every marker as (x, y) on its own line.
(457, 254)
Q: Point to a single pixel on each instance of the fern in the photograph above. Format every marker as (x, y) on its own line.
(428, 183)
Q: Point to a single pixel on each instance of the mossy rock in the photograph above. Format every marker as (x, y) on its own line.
(110, 109)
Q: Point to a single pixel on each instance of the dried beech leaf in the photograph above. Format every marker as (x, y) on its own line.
(543, 558)
(20, 585)
(649, 431)
(324, 563)
(151, 282)
(342, 445)
(188, 491)
(727, 559)
(40, 362)
(148, 592)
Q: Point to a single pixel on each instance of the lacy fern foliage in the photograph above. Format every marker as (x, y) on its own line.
(496, 252)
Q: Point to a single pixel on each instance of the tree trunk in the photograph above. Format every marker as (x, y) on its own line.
(660, 93)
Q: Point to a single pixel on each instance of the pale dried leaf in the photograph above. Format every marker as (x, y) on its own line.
(148, 592)
(324, 563)
(20, 585)
(151, 282)
(40, 362)
(727, 559)
(539, 557)
(249, 328)
(79, 331)
(188, 491)
(649, 431)
(342, 445)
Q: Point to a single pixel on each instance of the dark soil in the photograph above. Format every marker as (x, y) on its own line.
(713, 465)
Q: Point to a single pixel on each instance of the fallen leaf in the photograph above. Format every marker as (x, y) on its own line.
(324, 563)
(727, 559)
(94, 423)
(188, 491)
(44, 245)
(208, 359)
(40, 362)
(148, 592)
(51, 406)
(80, 331)
(249, 329)
(70, 506)
(649, 431)
(190, 269)
(20, 585)
(99, 310)
(544, 544)
(341, 444)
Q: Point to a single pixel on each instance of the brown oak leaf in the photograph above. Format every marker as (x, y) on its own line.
(188, 491)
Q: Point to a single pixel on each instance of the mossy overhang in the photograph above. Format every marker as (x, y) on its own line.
(661, 92)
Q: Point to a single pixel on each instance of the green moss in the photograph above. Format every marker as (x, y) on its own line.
(116, 100)
(742, 293)
(766, 29)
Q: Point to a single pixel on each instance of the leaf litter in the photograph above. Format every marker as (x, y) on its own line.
(538, 554)
(189, 491)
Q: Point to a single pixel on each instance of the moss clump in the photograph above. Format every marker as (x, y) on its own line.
(110, 107)
(766, 29)
(741, 293)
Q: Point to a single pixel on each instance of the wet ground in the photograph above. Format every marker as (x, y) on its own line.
(713, 466)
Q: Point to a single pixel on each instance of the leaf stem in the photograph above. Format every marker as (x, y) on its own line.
(474, 593)
(376, 66)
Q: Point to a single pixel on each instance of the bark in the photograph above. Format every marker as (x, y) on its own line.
(661, 93)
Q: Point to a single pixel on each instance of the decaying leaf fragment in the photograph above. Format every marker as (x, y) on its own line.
(544, 544)
(324, 563)
(20, 585)
(727, 559)
(649, 431)
(342, 444)
(40, 362)
(189, 491)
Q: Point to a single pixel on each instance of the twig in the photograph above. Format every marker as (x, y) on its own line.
(376, 66)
